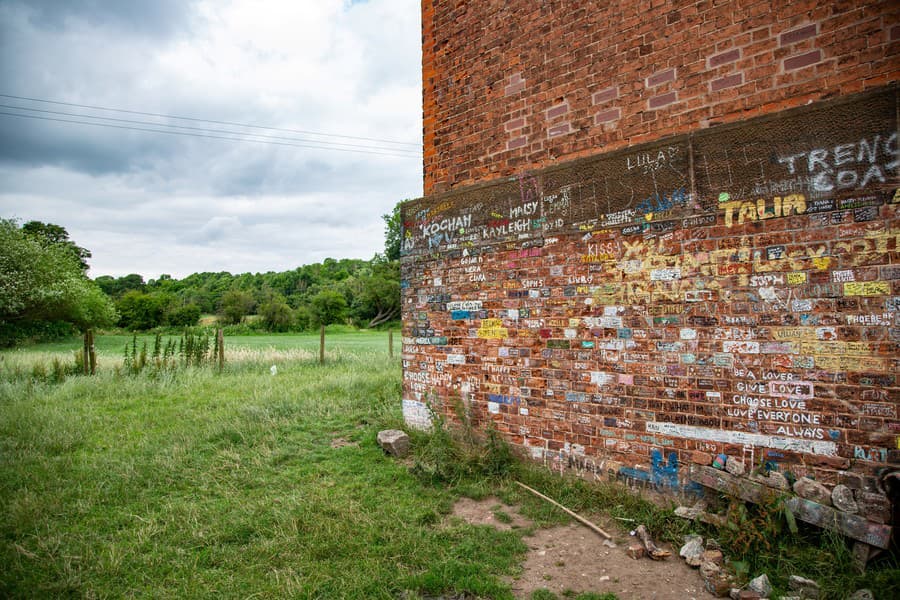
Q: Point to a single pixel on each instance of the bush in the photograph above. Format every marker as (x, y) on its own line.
(328, 306)
(15, 333)
(276, 315)
(184, 316)
(235, 306)
(141, 311)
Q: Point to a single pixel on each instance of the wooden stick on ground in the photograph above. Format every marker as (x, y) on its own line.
(572, 514)
(653, 551)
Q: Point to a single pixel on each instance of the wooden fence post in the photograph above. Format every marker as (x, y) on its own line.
(322, 345)
(92, 352)
(220, 347)
(86, 353)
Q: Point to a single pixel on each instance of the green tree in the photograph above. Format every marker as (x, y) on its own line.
(185, 315)
(235, 305)
(44, 282)
(141, 311)
(393, 232)
(328, 306)
(116, 286)
(276, 314)
(303, 318)
(378, 300)
(52, 234)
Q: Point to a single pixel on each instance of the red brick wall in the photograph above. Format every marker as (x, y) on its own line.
(517, 85)
(735, 290)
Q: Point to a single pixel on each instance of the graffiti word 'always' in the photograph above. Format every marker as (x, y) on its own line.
(707, 434)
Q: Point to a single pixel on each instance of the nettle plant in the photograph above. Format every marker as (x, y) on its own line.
(190, 350)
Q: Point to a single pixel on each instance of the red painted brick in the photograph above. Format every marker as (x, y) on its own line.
(724, 57)
(515, 124)
(796, 35)
(513, 89)
(518, 142)
(605, 116)
(561, 129)
(895, 33)
(803, 60)
(726, 82)
(557, 111)
(661, 78)
(605, 95)
(663, 100)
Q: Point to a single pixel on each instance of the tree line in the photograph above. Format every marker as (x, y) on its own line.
(365, 293)
(45, 291)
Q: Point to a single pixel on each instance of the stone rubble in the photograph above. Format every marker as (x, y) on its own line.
(842, 498)
(394, 442)
(812, 490)
(807, 588)
(761, 586)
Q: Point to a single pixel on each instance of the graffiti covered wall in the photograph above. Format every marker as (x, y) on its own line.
(736, 290)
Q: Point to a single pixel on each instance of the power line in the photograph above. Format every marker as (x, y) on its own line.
(248, 136)
(199, 135)
(165, 116)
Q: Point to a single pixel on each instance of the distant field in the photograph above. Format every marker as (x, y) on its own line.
(110, 348)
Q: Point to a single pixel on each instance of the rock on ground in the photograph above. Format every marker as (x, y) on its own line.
(842, 498)
(812, 490)
(761, 586)
(692, 550)
(806, 587)
(394, 442)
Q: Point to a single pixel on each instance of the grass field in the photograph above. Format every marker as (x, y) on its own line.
(186, 483)
(189, 483)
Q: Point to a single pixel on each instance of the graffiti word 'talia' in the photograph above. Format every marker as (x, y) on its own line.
(762, 209)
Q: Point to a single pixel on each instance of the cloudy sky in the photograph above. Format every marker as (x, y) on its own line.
(150, 203)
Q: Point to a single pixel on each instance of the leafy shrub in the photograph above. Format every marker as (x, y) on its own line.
(184, 316)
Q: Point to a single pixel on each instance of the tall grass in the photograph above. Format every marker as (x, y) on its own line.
(189, 483)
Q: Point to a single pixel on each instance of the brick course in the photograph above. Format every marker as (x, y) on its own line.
(483, 60)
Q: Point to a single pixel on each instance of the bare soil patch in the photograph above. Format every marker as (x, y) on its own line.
(572, 557)
(489, 511)
(340, 442)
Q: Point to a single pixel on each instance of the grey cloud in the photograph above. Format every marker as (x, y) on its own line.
(83, 148)
(155, 18)
(217, 228)
(151, 203)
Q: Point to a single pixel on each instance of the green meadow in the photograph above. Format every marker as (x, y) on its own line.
(189, 483)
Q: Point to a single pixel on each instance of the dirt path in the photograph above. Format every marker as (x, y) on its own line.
(573, 557)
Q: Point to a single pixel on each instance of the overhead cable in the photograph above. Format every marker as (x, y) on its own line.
(242, 134)
(217, 122)
(200, 135)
